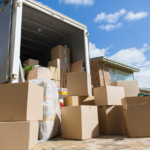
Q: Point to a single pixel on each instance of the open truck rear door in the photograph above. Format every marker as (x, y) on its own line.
(10, 37)
(5, 26)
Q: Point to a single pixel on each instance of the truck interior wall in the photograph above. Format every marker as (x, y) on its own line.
(77, 46)
(41, 32)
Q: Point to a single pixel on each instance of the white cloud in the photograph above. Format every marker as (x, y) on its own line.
(143, 77)
(111, 18)
(135, 16)
(78, 2)
(145, 45)
(95, 52)
(110, 26)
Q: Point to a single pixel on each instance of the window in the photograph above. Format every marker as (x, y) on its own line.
(118, 75)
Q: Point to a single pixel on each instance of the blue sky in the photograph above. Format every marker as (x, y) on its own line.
(119, 29)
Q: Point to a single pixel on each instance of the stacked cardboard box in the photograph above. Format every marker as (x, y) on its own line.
(21, 106)
(135, 110)
(79, 118)
(108, 100)
(56, 76)
(56, 65)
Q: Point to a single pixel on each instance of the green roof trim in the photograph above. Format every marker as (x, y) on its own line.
(115, 63)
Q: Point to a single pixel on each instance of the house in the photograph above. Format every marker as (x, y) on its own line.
(104, 71)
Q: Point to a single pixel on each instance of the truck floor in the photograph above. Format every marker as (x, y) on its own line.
(100, 143)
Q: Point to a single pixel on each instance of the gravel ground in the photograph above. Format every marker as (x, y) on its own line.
(100, 143)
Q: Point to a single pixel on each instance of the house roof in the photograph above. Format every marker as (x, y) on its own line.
(145, 89)
(116, 64)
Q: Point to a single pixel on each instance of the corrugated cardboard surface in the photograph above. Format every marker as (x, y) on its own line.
(39, 73)
(136, 111)
(31, 62)
(80, 122)
(57, 74)
(79, 84)
(21, 102)
(77, 67)
(18, 135)
(58, 53)
(78, 100)
(111, 120)
(131, 87)
(108, 95)
(57, 63)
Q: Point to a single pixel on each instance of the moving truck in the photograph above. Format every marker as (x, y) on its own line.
(29, 29)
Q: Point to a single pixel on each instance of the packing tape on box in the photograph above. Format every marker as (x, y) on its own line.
(47, 98)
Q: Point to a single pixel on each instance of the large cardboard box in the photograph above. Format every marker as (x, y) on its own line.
(136, 112)
(57, 74)
(131, 88)
(108, 95)
(18, 135)
(57, 63)
(31, 62)
(79, 84)
(21, 102)
(78, 100)
(111, 120)
(80, 122)
(58, 53)
(39, 73)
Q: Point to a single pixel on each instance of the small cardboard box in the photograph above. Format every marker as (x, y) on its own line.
(108, 95)
(31, 62)
(57, 74)
(21, 102)
(79, 84)
(58, 53)
(18, 135)
(39, 73)
(131, 88)
(111, 120)
(57, 63)
(136, 112)
(78, 100)
(80, 122)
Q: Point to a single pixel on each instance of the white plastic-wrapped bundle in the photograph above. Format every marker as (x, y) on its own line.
(50, 126)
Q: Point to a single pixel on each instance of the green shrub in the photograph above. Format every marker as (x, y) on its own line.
(28, 68)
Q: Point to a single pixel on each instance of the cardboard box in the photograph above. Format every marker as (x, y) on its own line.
(80, 122)
(131, 87)
(57, 63)
(136, 112)
(78, 100)
(111, 120)
(58, 53)
(18, 135)
(21, 102)
(57, 74)
(108, 95)
(31, 62)
(79, 84)
(39, 73)
(58, 84)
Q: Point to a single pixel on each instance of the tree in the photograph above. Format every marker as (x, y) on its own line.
(3, 3)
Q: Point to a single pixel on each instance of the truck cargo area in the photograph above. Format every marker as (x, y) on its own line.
(41, 32)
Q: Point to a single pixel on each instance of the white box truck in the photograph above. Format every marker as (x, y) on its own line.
(29, 29)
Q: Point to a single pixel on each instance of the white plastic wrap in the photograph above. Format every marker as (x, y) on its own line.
(51, 124)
